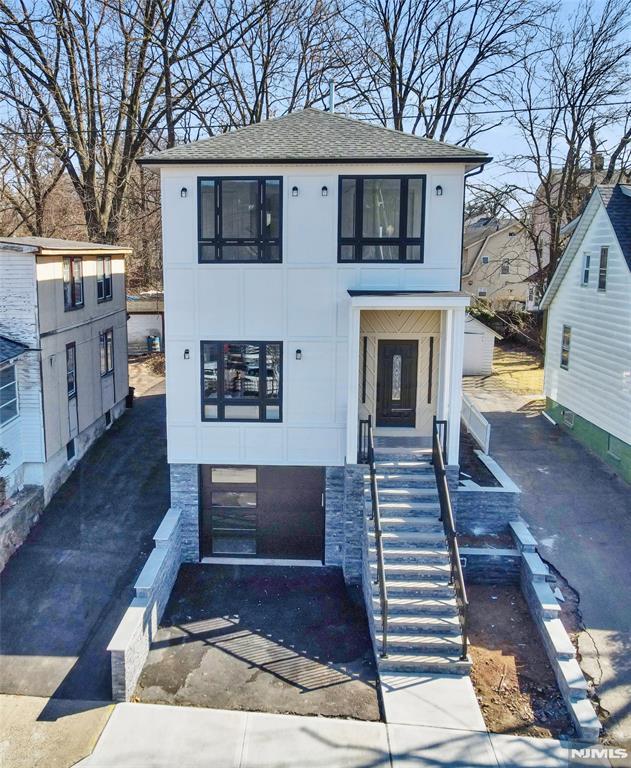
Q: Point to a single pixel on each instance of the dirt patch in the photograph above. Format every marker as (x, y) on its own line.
(511, 674)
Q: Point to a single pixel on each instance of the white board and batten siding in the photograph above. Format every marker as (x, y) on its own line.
(597, 384)
(302, 302)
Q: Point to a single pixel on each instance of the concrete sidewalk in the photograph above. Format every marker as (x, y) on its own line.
(155, 736)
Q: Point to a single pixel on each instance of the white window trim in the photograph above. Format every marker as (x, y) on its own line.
(15, 400)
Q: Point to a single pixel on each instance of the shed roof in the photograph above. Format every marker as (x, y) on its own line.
(46, 246)
(473, 325)
(314, 136)
(10, 349)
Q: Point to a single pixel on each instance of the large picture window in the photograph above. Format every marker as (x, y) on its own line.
(381, 218)
(8, 395)
(73, 282)
(241, 381)
(239, 219)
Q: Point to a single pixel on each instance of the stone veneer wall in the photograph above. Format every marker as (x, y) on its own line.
(344, 514)
(490, 566)
(130, 644)
(18, 519)
(185, 498)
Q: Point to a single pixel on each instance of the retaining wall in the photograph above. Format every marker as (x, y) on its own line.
(130, 644)
(16, 521)
(344, 501)
(483, 565)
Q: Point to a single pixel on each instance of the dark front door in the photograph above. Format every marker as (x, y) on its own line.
(263, 512)
(396, 383)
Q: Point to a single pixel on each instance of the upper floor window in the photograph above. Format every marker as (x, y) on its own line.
(585, 273)
(71, 369)
(485, 259)
(505, 268)
(602, 269)
(73, 282)
(565, 346)
(103, 278)
(381, 218)
(239, 219)
(482, 292)
(106, 348)
(241, 381)
(8, 394)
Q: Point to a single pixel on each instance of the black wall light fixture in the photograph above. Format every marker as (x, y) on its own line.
(183, 192)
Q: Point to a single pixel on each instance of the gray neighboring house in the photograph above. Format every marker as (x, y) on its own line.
(63, 362)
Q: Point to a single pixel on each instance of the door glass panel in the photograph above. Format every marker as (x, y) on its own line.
(233, 474)
(396, 377)
(382, 199)
(233, 545)
(233, 499)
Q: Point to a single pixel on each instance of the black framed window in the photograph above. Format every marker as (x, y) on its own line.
(602, 269)
(565, 347)
(239, 219)
(106, 348)
(71, 369)
(381, 218)
(73, 282)
(103, 278)
(241, 380)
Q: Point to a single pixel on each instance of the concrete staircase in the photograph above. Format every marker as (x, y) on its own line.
(423, 625)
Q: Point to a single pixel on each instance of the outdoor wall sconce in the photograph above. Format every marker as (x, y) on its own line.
(294, 191)
(299, 354)
(325, 191)
(439, 191)
(183, 192)
(187, 354)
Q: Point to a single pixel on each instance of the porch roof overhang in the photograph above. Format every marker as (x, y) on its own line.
(406, 299)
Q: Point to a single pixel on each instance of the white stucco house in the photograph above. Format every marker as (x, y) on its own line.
(588, 339)
(63, 367)
(311, 280)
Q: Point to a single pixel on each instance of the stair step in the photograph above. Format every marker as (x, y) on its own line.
(418, 605)
(424, 662)
(416, 588)
(399, 640)
(404, 494)
(409, 506)
(409, 538)
(401, 465)
(418, 570)
(416, 554)
(412, 625)
(419, 523)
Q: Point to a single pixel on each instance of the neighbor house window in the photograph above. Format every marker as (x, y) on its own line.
(239, 219)
(106, 347)
(585, 275)
(505, 268)
(73, 282)
(482, 292)
(602, 269)
(381, 218)
(71, 369)
(485, 259)
(8, 395)
(103, 278)
(241, 381)
(565, 346)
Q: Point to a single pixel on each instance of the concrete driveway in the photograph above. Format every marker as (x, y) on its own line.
(65, 590)
(581, 515)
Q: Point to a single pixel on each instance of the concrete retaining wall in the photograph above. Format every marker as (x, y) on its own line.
(536, 586)
(490, 566)
(18, 519)
(130, 644)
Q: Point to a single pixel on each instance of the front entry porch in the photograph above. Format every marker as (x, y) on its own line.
(405, 367)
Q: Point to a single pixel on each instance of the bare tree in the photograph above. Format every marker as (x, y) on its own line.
(425, 62)
(104, 77)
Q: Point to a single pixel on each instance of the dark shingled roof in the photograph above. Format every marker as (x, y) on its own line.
(10, 349)
(315, 136)
(617, 202)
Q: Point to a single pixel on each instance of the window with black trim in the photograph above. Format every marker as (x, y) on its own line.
(106, 347)
(381, 218)
(239, 219)
(565, 346)
(71, 369)
(602, 269)
(241, 380)
(73, 282)
(103, 278)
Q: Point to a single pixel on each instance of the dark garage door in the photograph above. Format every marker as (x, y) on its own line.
(263, 512)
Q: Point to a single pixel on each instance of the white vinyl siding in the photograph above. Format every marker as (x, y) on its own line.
(597, 385)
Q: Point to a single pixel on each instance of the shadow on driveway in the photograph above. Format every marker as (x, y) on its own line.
(66, 588)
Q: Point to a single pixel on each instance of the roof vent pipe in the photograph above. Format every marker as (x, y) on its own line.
(331, 96)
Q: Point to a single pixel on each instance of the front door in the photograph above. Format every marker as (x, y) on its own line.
(396, 383)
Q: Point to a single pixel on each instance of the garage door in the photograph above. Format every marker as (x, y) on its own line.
(273, 512)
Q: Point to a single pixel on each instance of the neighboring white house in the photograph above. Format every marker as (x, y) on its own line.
(479, 343)
(64, 372)
(588, 340)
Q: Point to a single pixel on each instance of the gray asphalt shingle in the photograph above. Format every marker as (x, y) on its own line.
(314, 136)
(10, 349)
(618, 206)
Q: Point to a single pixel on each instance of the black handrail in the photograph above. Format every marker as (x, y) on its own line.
(376, 518)
(439, 436)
